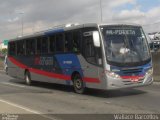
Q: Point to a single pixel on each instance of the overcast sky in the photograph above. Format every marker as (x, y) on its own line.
(40, 14)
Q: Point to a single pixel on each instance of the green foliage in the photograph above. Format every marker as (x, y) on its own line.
(4, 51)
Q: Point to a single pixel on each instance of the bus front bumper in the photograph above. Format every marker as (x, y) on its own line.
(113, 83)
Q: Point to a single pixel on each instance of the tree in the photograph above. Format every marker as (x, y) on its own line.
(4, 51)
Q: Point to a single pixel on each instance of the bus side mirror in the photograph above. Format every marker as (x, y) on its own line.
(96, 39)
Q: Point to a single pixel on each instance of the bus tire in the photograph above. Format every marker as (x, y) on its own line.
(28, 80)
(78, 84)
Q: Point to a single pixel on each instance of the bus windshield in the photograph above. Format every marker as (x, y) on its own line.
(125, 45)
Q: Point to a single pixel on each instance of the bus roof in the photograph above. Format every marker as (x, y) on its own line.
(66, 27)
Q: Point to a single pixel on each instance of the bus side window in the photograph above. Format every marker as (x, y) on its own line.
(44, 45)
(89, 50)
(20, 48)
(30, 46)
(76, 41)
(68, 41)
(59, 43)
(92, 54)
(52, 44)
(12, 48)
(38, 45)
(33, 45)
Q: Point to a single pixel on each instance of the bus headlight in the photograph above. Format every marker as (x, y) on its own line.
(113, 75)
(150, 71)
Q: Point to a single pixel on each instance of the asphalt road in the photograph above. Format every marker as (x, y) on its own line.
(55, 100)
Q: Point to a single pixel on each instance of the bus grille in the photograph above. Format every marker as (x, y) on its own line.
(132, 71)
(129, 82)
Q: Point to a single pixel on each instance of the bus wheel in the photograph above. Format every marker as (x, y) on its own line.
(28, 78)
(78, 84)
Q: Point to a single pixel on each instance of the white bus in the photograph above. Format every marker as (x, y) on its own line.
(100, 56)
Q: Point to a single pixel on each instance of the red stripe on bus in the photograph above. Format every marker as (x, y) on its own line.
(50, 74)
(17, 63)
(131, 77)
(91, 80)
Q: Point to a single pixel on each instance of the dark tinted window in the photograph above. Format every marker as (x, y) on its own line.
(44, 43)
(68, 41)
(12, 48)
(59, 43)
(90, 52)
(39, 45)
(20, 48)
(30, 46)
(89, 47)
(73, 41)
(76, 41)
(52, 44)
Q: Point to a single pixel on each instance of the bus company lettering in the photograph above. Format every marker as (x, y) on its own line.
(120, 32)
(67, 62)
(43, 61)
